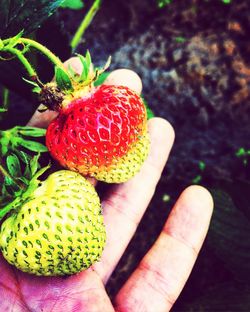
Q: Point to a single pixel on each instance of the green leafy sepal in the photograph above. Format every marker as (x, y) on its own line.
(23, 195)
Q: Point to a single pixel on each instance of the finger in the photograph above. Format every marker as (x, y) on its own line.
(124, 77)
(118, 77)
(42, 120)
(126, 203)
(80, 292)
(161, 275)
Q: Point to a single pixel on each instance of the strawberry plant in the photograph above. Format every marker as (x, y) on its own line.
(17, 146)
(51, 224)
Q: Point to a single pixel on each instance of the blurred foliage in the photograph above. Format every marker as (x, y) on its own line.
(17, 15)
(72, 4)
(163, 3)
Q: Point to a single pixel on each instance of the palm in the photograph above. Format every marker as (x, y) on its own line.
(167, 264)
(23, 292)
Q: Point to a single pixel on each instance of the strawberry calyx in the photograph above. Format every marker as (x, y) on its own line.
(19, 154)
(67, 81)
(69, 85)
(24, 194)
(51, 97)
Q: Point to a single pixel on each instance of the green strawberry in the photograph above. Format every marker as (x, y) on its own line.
(55, 227)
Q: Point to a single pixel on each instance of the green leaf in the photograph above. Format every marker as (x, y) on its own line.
(180, 39)
(33, 83)
(197, 179)
(162, 3)
(14, 40)
(241, 152)
(24, 180)
(71, 71)
(31, 131)
(229, 235)
(8, 181)
(100, 80)
(72, 4)
(4, 143)
(31, 145)
(86, 63)
(27, 15)
(63, 80)
(88, 59)
(10, 186)
(31, 163)
(4, 195)
(24, 157)
(27, 172)
(36, 88)
(150, 113)
(5, 198)
(202, 165)
(13, 165)
(105, 67)
(34, 164)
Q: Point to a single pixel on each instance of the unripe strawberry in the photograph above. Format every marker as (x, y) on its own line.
(56, 228)
(99, 130)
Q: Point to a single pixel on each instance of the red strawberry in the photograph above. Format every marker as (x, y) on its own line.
(97, 132)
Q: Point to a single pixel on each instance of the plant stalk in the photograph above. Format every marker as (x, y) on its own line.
(5, 101)
(9, 207)
(6, 93)
(30, 70)
(38, 46)
(84, 24)
(44, 51)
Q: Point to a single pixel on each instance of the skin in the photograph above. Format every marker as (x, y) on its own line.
(161, 275)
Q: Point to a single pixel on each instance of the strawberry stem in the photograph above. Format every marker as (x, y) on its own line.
(5, 101)
(31, 43)
(40, 172)
(30, 70)
(84, 24)
(5, 97)
(11, 206)
(45, 51)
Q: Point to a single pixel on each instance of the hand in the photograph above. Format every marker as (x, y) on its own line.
(161, 275)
